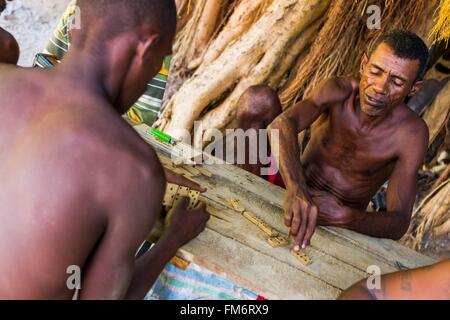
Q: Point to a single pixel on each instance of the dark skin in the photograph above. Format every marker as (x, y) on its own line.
(357, 143)
(9, 48)
(79, 191)
(427, 283)
(256, 109)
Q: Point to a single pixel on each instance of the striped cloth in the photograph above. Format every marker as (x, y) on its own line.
(147, 108)
(196, 283)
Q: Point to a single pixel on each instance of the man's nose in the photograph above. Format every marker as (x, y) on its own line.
(380, 86)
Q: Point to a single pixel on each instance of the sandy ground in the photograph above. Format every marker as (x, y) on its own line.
(32, 22)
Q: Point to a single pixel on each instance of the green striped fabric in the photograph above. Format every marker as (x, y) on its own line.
(147, 108)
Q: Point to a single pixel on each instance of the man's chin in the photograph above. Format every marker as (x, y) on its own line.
(372, 111)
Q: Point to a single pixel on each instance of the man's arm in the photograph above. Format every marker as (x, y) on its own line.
(401, 193)
(300, 211)
(134, 204)
(185, 225)
(431, 282)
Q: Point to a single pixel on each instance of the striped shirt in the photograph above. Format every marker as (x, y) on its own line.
(147, 108)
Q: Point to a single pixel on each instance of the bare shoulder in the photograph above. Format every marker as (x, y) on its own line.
(334, 90)
(413, 133)
(108, 156)
(413, 126)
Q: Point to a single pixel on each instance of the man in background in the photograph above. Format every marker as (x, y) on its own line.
(9, 49)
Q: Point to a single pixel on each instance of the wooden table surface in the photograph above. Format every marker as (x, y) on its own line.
(235, 248)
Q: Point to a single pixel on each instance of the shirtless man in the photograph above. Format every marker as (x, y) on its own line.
(432, 282)
(362, 134)
(75, 191)
(9, 49)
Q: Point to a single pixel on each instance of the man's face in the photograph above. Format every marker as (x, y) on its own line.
(386, 81)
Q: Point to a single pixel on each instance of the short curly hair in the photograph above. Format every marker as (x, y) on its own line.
(111, 17)
(406, 45)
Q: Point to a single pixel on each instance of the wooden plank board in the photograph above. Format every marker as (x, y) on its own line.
(255, 272)
(235, 247)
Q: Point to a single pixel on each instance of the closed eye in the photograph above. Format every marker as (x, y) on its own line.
(398, 82)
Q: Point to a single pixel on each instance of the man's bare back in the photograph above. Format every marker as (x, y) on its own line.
(362, 134)
(78, 186)
(52, 145)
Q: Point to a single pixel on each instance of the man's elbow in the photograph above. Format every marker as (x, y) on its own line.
(400, 230)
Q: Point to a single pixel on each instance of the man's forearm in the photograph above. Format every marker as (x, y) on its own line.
(359, 291)
(149, 266)
(286, 152)
(391, 225)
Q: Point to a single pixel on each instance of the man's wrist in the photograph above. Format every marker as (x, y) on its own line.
(170, 242)
(296, 187)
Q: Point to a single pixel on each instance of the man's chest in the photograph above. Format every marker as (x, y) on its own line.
(342, 144)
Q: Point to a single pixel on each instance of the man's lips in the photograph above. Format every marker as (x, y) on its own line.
(374, 101)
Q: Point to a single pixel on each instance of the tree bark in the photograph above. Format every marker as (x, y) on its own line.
(254, 54)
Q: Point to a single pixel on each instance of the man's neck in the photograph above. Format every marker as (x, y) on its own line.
(101, 74)
(368, 122)
(86, 70)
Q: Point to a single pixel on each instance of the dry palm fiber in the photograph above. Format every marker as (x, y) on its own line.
(441, 30)
(344, 38)
(431, 218)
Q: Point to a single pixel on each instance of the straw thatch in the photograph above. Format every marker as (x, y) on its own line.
(441, 30)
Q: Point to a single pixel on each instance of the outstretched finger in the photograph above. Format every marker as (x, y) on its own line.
(288, 217)
(301, 233)
(296, 221)
(182, 203)
(312, 221)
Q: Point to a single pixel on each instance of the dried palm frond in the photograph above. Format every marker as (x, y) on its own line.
(344, 38)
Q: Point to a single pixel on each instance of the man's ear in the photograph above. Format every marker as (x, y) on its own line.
(416, 88)
(364, 62)
(146, 46)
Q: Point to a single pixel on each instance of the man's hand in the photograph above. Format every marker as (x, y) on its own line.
(300, 216)
(175, 178)
(185, 225)
(332, 211)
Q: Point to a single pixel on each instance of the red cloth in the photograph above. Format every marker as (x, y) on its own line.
(274, 175)
(276, 179)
